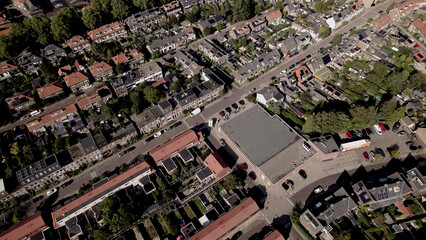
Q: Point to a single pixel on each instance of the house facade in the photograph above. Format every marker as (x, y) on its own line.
(107, 33)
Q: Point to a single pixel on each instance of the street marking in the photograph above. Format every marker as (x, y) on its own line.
(186, 123)
(202, 117)
(93, 174)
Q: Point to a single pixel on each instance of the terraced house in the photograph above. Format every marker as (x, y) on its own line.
(101, 71)
(129, 58)
(140, 21)
(78, 44)
(107, 33)
(76, 81)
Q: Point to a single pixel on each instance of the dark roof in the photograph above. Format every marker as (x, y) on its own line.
(204, 173)
(169, 165)
(100, 140)
(326, 144)
(37, 170)
(186, 155)
(89, 145)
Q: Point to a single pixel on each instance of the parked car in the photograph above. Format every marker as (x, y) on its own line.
(296, 53)
(167, 129)
(413, 136)
(372, 154)
(252, 175)
(285, 186)
(290, 56)
(25, 117)
(302, 173)
(368, 130)
(381, 152)
(228, 109)
(396, 126)
(157, 134)
(358, 133)
(149, 139)
(222, 142)
(318, 190)
(349, 135)
(244, 166)
(177, 124)
(51, 191)
(36, 112)
(382, 127)
(237, 235)
(290, 183)
(242, 103)
(66, 184)
(365, 154)
(409, 143)
(235, 106)
(252, 90)
(364, 133)
(222, 113)
(401, 133)
(291, 66)
(283, 71)
(308, 56)
(302, 60)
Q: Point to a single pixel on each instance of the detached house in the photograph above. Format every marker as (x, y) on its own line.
(239, 32)
(53, 53)
(50, 90)
(257, 24)
(110, 32)
(288, 46)
(29, 63)
(172, 8)
(130, 58)
(7, 70)
(20, 101)
(101, 71)
(76, 81)
(78, 44)
(274, 17)
(269, 94)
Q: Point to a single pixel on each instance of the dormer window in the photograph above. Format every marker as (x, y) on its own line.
(99, 68)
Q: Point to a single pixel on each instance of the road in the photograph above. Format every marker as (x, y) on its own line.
(210, 111)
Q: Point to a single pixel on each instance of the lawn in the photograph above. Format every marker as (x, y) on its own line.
(150, 229)
(199, 206)
(189, 212)
(228, 70)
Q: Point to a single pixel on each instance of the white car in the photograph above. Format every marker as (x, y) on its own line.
(222, 142)
(36, 112)
(157, 134)
(25, 117)
(283, 71)
(318, 190)
(51, 191)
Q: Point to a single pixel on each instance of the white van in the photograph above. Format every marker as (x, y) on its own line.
(36, 112)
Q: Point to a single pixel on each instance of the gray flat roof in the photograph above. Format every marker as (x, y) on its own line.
(267, 141)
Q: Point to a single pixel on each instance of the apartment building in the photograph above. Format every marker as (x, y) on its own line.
(149, 72)
(30, 228)
(172, 42)
(20, 102)
(418, 26)
(257, 24)
(172, 8)
(109, 32)
(188, 5)
(189, 63)
(121, 84)
(39, 173)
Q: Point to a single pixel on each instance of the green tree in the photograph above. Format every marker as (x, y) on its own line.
(7, 49)
(143, 4)
(176, 86)
(15, 149)
(279, 5)
(324, 32)
(243, 9)
(106, 109)
(41, 26)
(120, 9)
(29, 154)
(119, 68)
(91, 18)
(65, 24)
(100, 234)
(207, 31)
(274, 107)
(59, 144)
(319, 7)
(135, 99)
(327, 122)
(389, 111)
(155, 55)
(152, 94)
(231, 182)
(344, 235)
(380, 69)
(363, 116)
(416, 80)
(295, 217)
(102, 6)
(336, 40)
(47, 69)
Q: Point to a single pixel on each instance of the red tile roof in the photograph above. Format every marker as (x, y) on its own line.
(75, 78)
(76, 41)
(27, 228)
(99, 68)
(230, 220)
(175, 145)
(95, 193)
(420, 25)
(50, 117)
(405, 7)
(381, 22)
(64, 69)
(275, 235)
(127, 56)
(217, 165)
(105, 30)
(298, 72)
(3, 21)
(5, 32)
(171, 5)
(273, 15)
(89, 99)
(6, 67)
(403, 209)
(189, 31)
(242, 29)
(49, 89)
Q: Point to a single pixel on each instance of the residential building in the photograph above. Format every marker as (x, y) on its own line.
(318, 219)
(101, 71)
(3, 191)
(416, 180)
(39, 173)
(30, 228)
(302, 73)
(418, 26)
(174, 146)
(274, 17)
(7, 70)
(78, 44)
(4, 26)
(269, 94)
(403, 8)
(186, 156)
(110, 32)
(140, 21)
(239, 32)
(172, 8)
(213, 51)
(257, 23)
(130, 58)
(134, 176)
(53, 53)
(20, 102)
(381, 22)
(93, 147)
(189, 64)
(76, 81)
(216, 164)
(150, 72)
(275, 235)
(288, 46)
(332, 91)
(211, 22)
(303, 39)
(50, 90)
(156, 116)
(188, 5)
(382, 192)
(29, 63)
(121, 84)
(52, 119)
(172, 42)
(258, 65)
(94, 99)
(408, 124)
(27, 8)
(235, 217)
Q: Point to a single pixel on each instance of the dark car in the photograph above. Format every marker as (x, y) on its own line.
(235, 106)
(149, 139)
(244, 166)
(381, 152)
(177, 124)
(302, 173)
(364, 133)
(285, 186)
(409, 143)
(38, 198)
(291, 66)
(228, 109)
(302, 60)
(308, 56)
(237, 235)
(66, 184)
(368, 130)
(396, 126)
(242, 103)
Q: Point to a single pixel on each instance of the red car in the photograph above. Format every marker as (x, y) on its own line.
(366, 156)
(302, 60)
(221, 113)
(382, 127)
(349, 135)
(290, 56)
(244, 167)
